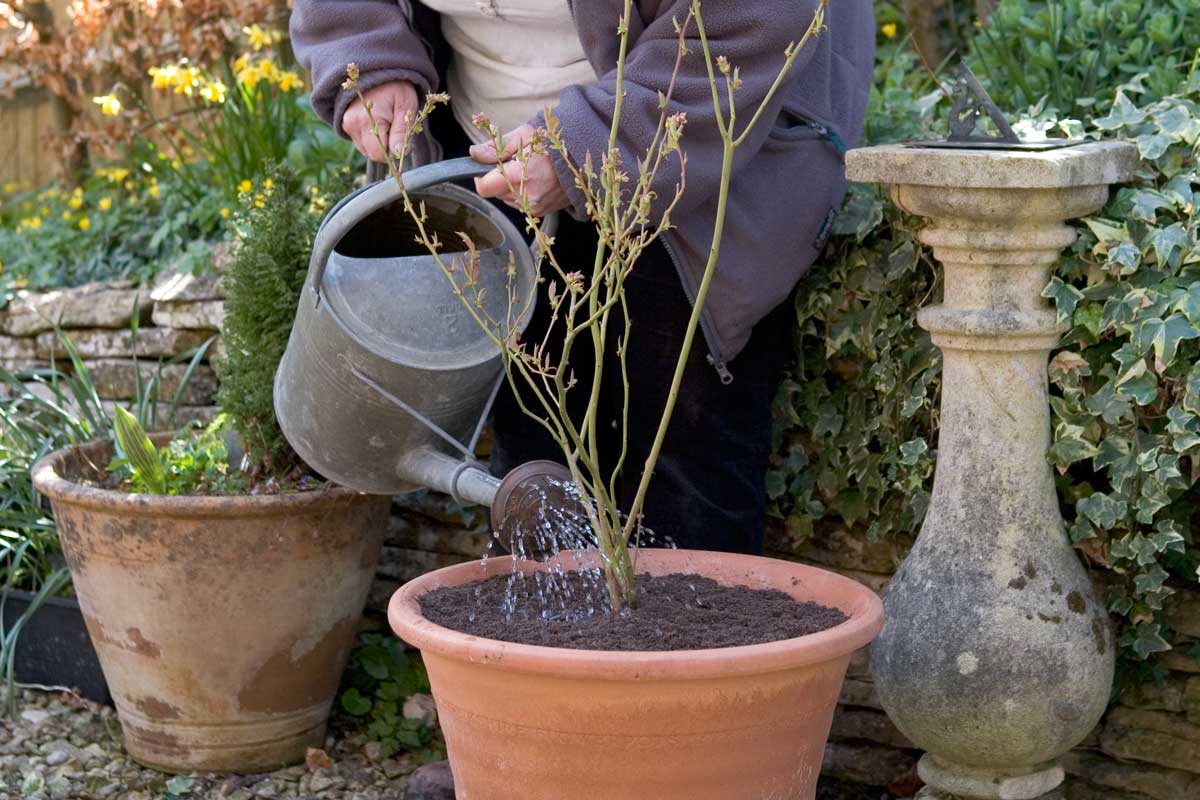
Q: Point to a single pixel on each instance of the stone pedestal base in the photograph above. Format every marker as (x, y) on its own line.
(955, 781)
(929, 793)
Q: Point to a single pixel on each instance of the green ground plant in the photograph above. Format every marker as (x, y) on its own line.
(379, 677)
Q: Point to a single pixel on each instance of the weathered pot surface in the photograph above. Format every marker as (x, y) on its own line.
(222, 623)
(541, 723)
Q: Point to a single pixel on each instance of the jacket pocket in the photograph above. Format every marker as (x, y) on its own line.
(793, 126)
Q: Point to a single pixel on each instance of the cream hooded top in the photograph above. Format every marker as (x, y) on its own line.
(511, 58)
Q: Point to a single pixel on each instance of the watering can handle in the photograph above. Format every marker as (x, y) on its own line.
(357, 206)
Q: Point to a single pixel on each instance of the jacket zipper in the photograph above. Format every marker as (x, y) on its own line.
(706, 327)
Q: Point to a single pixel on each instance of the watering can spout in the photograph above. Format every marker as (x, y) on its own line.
(517, 503)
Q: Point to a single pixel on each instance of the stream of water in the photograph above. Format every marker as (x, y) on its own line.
(556, 530)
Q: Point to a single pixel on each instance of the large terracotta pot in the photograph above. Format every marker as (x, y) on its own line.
(222, 623)
(742, 723)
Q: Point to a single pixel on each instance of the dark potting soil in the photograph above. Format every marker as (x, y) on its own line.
(673, 612)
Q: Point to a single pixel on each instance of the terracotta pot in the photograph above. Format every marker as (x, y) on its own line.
(741, 723)
(222, 624)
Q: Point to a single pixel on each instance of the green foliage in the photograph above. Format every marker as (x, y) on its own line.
(1127, 379)
(263, 286)
(378, 679)
(1074, 52)
(190, 464)
(854, 417)
(117, 224)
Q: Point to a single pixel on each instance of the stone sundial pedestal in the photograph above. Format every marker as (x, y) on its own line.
(996, 655)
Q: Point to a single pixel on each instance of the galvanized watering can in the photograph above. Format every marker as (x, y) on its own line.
(387, 379)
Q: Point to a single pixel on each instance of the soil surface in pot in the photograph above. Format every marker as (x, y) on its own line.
(673, 612)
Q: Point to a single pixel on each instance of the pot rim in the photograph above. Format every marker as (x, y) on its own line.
(864, 609)
(51, 484)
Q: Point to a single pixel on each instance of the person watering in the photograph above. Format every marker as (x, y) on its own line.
(510, 59)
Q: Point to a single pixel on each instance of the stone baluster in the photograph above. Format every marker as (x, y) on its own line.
(996, 656)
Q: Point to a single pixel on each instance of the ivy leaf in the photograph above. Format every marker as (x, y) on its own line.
(1105, 402)
(1148, 640)
(1164, 336)
(1143, 390)
(1104, 511)
(1167, 241)
(1123, 114)
(1070, 447)
(1150, 581)
(1146, 203)
(1064, 295)
(1152, 146)
(1106, 231)
(912, 450)
(1126, 256)
(776, 484)
(1177, 123)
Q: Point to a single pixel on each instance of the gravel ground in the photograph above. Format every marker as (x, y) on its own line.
(63, 748)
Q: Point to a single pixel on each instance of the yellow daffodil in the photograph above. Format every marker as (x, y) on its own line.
(241, 62)
(66, 215)
(268, 184)
(257, 36)
(888, 29)
(245, 186)
(75, 202)
(105, 203)
(163, 77)
(268, 71)
(289, 81)
(224, 212)
(259, 201)
(260, 38)
(84, 223)
(154, 190)
(32, 223)
(109, 104)
(213, 92)
(129, 185)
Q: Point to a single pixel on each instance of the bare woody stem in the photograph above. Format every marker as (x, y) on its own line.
(731, 142)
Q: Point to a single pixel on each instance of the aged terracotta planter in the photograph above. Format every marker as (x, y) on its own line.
(539, 723)
(222, 623)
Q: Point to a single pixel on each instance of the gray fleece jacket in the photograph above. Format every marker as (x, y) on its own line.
(788, 180)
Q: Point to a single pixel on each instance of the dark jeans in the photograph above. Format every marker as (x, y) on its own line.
(708, 489)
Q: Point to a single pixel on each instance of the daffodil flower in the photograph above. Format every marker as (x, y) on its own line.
(105, 203)
(289, 81)
(84, 223)
(888, 29)
(245, 186)
(214, 92)
(109, 104)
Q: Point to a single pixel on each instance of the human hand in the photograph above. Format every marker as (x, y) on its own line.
(542, 188)
(393, 105)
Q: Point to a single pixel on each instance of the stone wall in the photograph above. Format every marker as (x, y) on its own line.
(175, 317)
